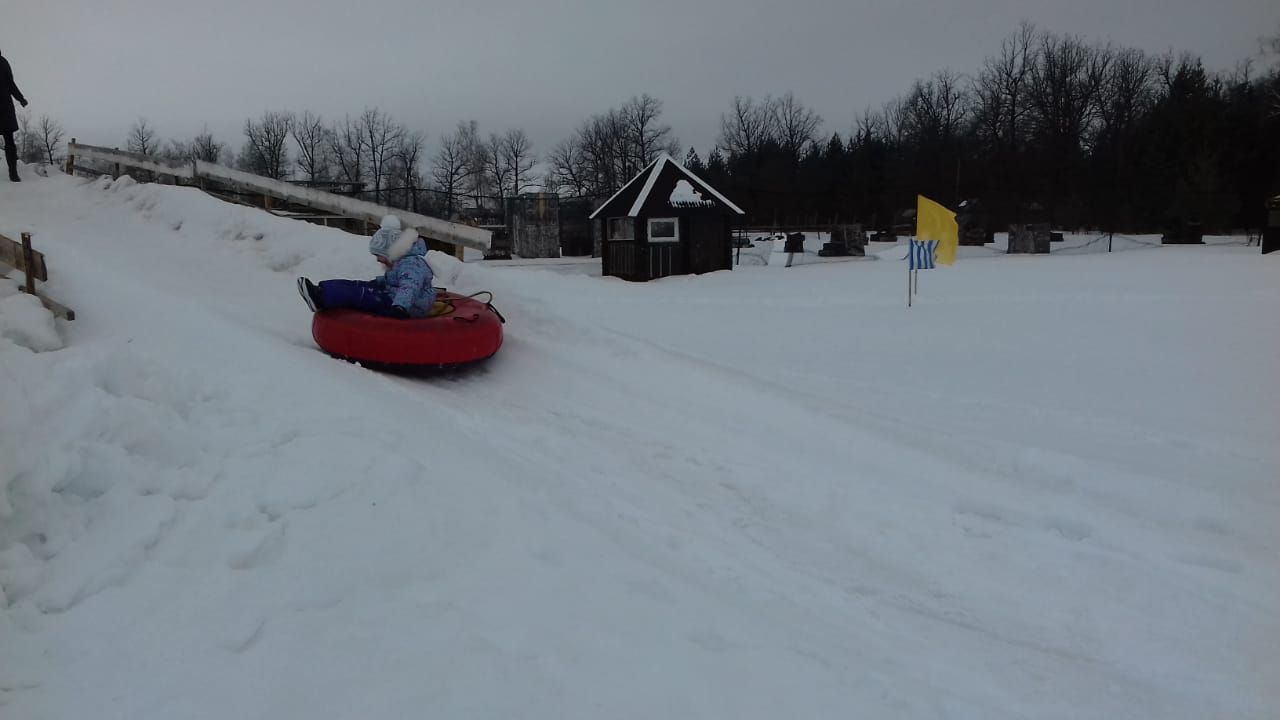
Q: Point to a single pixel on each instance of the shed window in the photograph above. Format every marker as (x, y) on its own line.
(664, 230)
(623, 228)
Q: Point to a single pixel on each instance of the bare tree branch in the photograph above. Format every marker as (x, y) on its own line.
(142, 138)
(51, 134)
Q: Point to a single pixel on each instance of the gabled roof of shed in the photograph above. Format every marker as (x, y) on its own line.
(633, 196)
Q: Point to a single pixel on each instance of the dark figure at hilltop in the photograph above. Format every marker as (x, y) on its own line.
(8, 117)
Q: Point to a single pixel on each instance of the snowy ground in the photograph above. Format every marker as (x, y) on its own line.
(1048, 490)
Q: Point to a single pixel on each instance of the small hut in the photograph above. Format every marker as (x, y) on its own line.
(666, 221)
(534, 222)
(575, 226)
(1271, 235)
(971, 220)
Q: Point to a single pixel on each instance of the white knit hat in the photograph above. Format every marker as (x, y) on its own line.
(382, 240)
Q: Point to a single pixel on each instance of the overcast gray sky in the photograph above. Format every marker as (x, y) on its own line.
(98, 65)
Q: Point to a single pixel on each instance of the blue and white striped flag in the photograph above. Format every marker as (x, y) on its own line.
(923, 254)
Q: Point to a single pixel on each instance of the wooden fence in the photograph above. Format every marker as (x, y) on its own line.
(203, 174)
(22, 256)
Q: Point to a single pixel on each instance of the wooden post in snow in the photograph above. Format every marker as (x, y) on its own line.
(28, 263)
(71, 159)
(21, 256)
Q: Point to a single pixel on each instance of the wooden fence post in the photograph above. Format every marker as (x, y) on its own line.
(29, 263)
(71, 159)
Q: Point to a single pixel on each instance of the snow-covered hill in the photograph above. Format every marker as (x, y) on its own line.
(1049, 490)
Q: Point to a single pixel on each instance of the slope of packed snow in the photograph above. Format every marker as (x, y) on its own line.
(1047, 490)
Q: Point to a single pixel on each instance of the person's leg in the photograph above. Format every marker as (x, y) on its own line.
(11, 156)
(354, 294)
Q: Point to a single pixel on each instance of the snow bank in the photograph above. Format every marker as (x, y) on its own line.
(446, 269)
(25, 321)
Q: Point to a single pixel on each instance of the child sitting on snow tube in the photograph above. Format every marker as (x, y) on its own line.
(404, 291)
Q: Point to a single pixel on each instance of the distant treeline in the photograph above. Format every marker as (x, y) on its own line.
(1050, 128)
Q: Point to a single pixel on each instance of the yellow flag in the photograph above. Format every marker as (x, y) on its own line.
(936, 222)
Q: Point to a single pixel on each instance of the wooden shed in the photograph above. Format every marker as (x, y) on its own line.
(1271, 235)
(666, 221)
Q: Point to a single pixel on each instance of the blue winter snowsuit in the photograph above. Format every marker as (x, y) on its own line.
(407, 285)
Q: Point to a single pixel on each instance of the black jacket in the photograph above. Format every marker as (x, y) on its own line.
(8, 117)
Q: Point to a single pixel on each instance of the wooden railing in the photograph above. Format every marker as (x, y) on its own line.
(199, 172)
(22, 256)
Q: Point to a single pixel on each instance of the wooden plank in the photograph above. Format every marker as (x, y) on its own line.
(82, 170)
(182, 169)
(429, 227)
(54, 307)
(11, 254)
(57, 309)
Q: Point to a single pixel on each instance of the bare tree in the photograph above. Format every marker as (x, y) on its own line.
(748, 126)
(1063, 89)
(568, 167)
(176, 150)
(894, 120)
(1271, 47)
(496, 165)
(796, 127)
(476, 157)
(1000, 90)
(868, 126)
(934, 111)
(1125, 91)
(142, 138)
(311, 138)
(51, 134)
(450, 167)
(1063, 92)
(517, 153)
(407, 163)
(610, 148)
(644, 136)
(266, 151)
(551, 181)
(381, 135)
(27, 139)
(205, 147)
(605, 160)
(346, 148)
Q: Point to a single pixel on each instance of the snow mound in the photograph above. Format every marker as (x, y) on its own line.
(25, 322)
(446, 269)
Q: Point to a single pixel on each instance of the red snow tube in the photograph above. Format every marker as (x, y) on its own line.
(466, 330)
